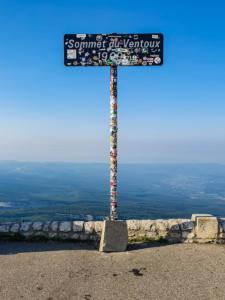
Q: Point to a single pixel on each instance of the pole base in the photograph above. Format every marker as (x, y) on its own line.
(114, 236)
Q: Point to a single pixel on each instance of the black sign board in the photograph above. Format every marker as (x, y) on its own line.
(113, 49)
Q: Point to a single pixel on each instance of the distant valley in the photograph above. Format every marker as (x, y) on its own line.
(65, 191)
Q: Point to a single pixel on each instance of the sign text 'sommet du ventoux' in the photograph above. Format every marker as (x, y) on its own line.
(113, 49)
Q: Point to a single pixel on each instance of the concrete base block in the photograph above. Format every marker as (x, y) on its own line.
(114, 236)
(207, 228)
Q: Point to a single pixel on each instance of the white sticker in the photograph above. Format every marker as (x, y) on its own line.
(71, 53)
(99, 38)
(157, 60)
(81, 35)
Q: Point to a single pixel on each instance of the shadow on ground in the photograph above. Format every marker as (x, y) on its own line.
(11, 247)
(144, 245)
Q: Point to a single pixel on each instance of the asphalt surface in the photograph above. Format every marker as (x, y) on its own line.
(53, 271)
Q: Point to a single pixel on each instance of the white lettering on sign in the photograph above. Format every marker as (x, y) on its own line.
(71, 43)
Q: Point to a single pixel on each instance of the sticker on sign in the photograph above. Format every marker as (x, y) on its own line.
(113, 49)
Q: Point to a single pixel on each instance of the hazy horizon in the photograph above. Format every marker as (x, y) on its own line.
(107, 163)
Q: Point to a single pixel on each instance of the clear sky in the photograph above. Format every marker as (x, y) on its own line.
(173, 113)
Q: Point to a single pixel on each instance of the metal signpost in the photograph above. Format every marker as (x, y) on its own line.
(113, 50)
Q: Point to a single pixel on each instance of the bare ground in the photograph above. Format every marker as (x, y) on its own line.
(54, 271)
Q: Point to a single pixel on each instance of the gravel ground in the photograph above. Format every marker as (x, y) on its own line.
(53, 271)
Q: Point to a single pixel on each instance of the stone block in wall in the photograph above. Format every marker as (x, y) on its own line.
(75, 236)
(93, 237)
(187, 235)
(174, 236)
(46, 226)
(54, 226)
(65, 226)
(15, 228)
(4, 228)
(64, 235)
(133, 224)
(52, 235)
(84, 237)
(98, 226)
(132, 234)
(186, 225)
(163, 235)
(161, 226)
(207, 228)
(25, 226)
(78, 226)
(173, 225)
(152, 235)
(37, 226)
(147, 225)
(140, 235)
(89, 227)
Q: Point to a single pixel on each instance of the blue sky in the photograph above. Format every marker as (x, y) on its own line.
(173, 113)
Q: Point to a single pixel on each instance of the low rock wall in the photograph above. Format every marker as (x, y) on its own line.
(198, 229)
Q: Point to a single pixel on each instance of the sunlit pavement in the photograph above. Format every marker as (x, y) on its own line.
(78, 271)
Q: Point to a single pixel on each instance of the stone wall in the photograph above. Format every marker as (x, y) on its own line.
(201, 228)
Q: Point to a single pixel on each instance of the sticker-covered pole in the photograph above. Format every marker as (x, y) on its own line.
(113, 143)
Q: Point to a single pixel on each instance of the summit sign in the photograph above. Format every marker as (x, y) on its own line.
(113, 49)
